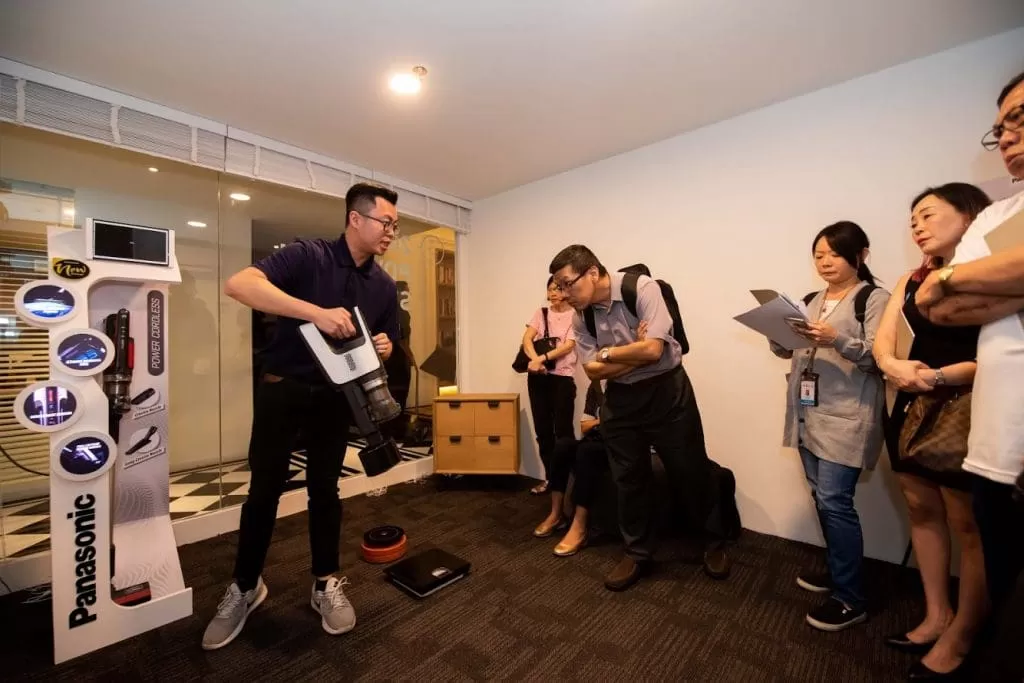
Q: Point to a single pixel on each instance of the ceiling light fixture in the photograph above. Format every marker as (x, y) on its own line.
(69, 212)
(240, 196)
(153, 169)
(197, 224)
(410, 83)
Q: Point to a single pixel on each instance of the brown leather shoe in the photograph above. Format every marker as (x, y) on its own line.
(627, 572)
(717, 564)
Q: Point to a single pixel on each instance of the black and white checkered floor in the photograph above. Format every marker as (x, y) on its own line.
(26, 526)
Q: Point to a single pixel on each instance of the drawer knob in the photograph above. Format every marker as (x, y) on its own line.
(455, 439)
(494, 439)
(455, 405)
(493, 405)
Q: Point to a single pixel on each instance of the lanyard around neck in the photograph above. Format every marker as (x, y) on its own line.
(821, 309)
(821, 317)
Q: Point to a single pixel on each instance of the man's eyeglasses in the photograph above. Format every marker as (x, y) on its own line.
(1013, 121)
(566, 286)
(389, 225)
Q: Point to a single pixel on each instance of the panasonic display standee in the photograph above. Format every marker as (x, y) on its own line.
(115, 567)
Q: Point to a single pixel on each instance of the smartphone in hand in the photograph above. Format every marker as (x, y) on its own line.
(798, 324)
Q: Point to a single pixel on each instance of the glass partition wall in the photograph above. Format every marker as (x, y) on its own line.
(222, 223)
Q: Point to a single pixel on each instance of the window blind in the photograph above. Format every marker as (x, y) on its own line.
(31, 97)
(24, 352)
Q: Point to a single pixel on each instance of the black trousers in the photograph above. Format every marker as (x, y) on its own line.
(588, 459)
(1000, 522)
(552, 403)
(661, 412)
(282, 408)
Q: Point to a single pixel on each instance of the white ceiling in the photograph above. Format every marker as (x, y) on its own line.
(517, 90)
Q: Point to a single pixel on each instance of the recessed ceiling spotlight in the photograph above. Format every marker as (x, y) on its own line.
(240, 196)
(410, 83)
(153, 169)
(69, 212)
(197, 224)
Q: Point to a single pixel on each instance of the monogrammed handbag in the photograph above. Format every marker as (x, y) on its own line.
(934, 433)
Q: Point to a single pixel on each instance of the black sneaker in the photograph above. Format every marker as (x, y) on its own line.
(816, 583)
(834, 615)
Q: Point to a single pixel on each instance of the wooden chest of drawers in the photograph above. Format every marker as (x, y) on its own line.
(476, 434)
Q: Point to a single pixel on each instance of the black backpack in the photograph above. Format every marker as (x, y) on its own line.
(629, 286)
(860, 302)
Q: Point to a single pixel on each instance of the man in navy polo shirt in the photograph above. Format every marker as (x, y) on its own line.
(316, 281)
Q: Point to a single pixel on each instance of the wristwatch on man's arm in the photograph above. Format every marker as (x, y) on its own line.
(603, 356)
(944, 275)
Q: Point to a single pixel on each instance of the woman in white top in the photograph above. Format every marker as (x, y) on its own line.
(551, 382)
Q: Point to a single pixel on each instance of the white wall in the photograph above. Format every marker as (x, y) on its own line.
(732, 207)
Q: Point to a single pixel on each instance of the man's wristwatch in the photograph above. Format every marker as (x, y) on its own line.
(603, 355)
(944, 275)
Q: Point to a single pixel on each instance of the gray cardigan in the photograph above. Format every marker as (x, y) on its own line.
(846, 425)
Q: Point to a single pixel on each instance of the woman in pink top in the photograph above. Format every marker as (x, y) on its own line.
(550, 380)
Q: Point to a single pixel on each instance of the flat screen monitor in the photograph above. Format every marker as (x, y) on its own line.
(112, 241)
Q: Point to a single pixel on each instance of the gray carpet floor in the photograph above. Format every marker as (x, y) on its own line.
(523, 614)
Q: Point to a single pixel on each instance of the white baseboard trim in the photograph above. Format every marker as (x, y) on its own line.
(21, 573)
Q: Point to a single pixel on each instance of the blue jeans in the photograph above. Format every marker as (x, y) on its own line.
(832, 487)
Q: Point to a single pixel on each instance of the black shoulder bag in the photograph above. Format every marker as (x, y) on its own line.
(541, 345)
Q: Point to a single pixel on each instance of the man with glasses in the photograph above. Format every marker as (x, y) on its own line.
(317, 281)
(981, 288)
(648, 402)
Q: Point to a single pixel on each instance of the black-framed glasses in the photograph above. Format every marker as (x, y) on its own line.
(1013, 121)
(566, 286)
(386, 223)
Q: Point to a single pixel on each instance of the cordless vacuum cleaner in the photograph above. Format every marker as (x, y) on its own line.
(117, 380)
(354, 367)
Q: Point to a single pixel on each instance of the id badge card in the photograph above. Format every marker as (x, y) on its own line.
(809, 390)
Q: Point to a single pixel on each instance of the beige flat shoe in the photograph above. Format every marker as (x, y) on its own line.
(546, 530)
(563, 549)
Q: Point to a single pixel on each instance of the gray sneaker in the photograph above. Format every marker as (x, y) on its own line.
(331, 604)
(232, 611)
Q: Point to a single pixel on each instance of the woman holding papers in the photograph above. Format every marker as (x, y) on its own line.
(833, 412)
(938, 494)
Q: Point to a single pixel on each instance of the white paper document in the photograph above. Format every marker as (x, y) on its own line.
(775, 317)
(904, 342)
(904, 337)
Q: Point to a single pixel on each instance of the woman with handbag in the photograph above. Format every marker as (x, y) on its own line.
(926, 436)
(548, 356)
(834, 413)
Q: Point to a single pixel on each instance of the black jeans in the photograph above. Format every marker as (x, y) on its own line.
(282, 408)
(587, 458)
(552, 403)
(1000, 522)
(661, 412)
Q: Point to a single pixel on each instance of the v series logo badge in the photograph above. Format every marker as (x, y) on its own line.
(70, 269)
